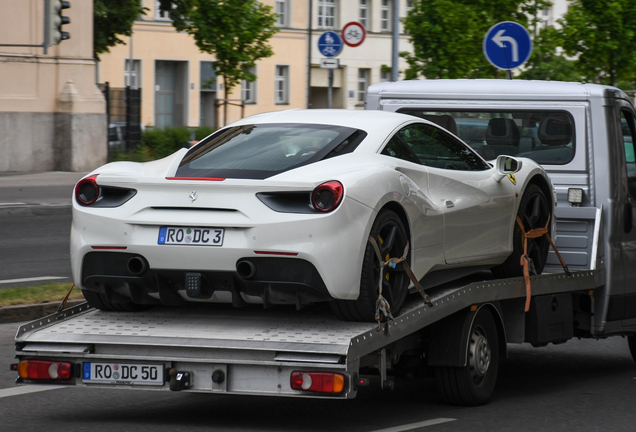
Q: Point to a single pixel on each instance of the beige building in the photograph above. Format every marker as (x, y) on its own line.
(172, 72)
(52, 114)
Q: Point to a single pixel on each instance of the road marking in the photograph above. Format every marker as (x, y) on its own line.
(34, 279)
(17, 391)
(11, 204)
(412, 426)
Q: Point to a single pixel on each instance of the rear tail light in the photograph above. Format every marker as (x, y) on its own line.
(44, 370)
(328, 196)
(321, 382)
(87, 190)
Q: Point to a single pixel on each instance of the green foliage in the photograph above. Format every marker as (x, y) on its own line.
(447, 35)
(236, 32)
(544, 62)
(601, 34)
(112, 18)
(159, 143)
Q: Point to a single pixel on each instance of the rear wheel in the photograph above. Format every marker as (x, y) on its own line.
(390, 234)
(534, 212)
(473, 383)
(99, 301)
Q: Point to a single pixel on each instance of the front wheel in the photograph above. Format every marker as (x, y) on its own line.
(390, 234)
(474, 383)
(534, 212)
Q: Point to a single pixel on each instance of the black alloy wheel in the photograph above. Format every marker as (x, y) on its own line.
(391, 237)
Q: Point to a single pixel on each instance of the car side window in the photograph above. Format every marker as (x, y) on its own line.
(628, 131)
(436, 148)
(398, 149)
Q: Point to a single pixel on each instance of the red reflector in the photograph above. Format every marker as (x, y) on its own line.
(321, 382)
(110, 247)
(195, 178)
(276, 253)
(44, 370)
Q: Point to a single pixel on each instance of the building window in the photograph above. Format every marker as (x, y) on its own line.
(326, 13)
(385, 16)
(281, 86)
(364, 13)
(248, 89)
(132, 78)
(363, 83)
(282, 9)
(159, 15)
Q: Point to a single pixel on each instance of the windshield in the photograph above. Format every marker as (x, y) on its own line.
(264, 150)
(547, 137)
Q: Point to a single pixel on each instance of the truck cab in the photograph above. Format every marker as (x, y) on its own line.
(583, 135)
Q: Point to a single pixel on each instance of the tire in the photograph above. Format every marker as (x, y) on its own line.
(99, 301)
(389, 232)
(631, 340)
(473, 384)
(534, 211)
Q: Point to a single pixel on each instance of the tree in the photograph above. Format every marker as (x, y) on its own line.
(235, 31)
(601, 34)
(545, 63)
(447, 35)
(112, 18)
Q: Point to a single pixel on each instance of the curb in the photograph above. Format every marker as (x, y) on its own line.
(32, 312)
(37, 209)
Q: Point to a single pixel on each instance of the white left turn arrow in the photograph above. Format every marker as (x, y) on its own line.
(499, 39)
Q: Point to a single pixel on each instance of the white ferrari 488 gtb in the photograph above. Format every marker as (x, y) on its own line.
(278, 208)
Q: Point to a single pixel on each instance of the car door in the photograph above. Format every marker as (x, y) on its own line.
(477, 208)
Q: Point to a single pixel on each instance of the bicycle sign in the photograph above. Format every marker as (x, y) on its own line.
(329, 44)
(353, 34)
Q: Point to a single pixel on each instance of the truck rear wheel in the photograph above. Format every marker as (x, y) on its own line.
(473, 383)
(534, 211)
(388, 230)
(99, 301)
(631, 340)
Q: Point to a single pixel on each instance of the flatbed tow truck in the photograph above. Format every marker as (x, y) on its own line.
(460, 338)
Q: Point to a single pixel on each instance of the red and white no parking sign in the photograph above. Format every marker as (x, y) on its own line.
(353, 34)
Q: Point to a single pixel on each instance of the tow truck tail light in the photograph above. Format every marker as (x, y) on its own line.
(321, 382)
(44, 370)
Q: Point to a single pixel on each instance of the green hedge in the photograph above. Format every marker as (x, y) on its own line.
(159, 143)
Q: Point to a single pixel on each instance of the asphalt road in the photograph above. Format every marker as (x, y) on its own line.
(582, 385)
(35, 222)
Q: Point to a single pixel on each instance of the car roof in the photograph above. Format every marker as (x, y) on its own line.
(368, 121)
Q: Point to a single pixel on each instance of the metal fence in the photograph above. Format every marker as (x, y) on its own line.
(123, 108)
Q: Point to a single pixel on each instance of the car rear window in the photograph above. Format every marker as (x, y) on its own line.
(264, 150)
(547, 137)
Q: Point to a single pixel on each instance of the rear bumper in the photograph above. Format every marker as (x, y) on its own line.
(274, 281)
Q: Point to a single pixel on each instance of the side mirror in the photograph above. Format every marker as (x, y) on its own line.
(505, 165)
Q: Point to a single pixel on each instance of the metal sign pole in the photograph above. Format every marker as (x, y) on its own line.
(330, 90)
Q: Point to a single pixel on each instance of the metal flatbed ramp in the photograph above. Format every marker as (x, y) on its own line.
(259, 345)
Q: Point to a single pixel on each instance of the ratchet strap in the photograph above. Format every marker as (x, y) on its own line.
(382, 306)
(68, 294)
(526, 261)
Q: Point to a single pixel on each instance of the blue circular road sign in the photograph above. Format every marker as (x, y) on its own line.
(507, 45)
(330, 44)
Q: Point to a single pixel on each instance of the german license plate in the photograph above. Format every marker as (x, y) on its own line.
(191, 236)
(123, 373)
